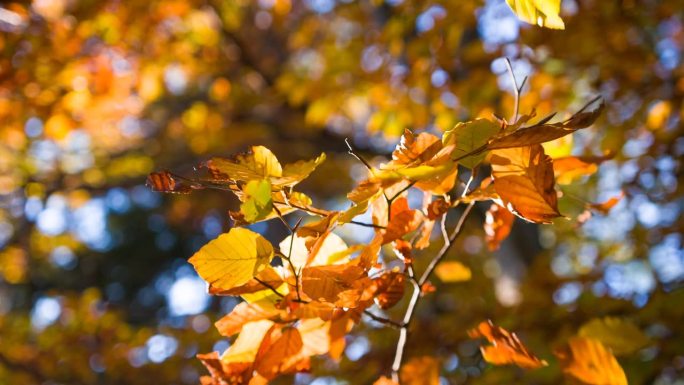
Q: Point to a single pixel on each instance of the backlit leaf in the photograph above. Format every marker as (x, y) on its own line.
(244, 313)
(619, 334)
(453, 271)
(544, 13)
(232, 259)
(282, 355)
(570, 168)
(523, 179)
(390, 289)
(506, 347)
(468, 137)
(589, 361)
(248, 342)
(257, 202)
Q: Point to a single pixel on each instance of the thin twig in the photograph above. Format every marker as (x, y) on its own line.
(417, 284)
(269, 286)
(357, 156)
(517, 89)
(383, 320)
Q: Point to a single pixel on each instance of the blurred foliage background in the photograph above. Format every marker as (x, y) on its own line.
(94, 284)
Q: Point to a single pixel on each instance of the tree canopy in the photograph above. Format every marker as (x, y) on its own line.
(370, 191)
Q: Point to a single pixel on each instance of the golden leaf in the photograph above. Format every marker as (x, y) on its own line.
(589, 361)
(506, 347)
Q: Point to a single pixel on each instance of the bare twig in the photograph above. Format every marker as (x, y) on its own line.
(417, 284)
(517, 89)
(382, 320)
(357, 156)
(270, 287)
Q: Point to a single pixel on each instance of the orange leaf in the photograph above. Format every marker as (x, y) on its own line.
(569, 168)
(498, 223)
(523, 179)
(244, 313)
(385, 381)
(390, 289)
(413, 149)
(506, 348)
(282, 356)
(403, 220)
(587, 360)
(604, 208)
(420, 371)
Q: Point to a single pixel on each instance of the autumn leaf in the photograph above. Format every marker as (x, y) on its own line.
(338, 284)
(544, 13)
(545, 132)
(468, 137)
(605, 207)
(589, 361)
(385, 381)
(414, 149)
(325, 250)
(403, 220)
(244, 313)
(246, 347)
(453, 271)
(619, 334)
(523, 179)
(257, 202)
(390, 289)
(268, 276)
(164, 181)
(420, 371)
(232, 259)
(506, 347)
(570, 168)
(260, 163)
(497, 226)
(282, 355)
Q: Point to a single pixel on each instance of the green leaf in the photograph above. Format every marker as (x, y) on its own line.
(257, 203)
(619, 334)
(544, 13)
(469, 137)
(232, 259)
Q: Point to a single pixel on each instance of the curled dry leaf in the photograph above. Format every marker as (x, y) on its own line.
(523, 179)
(164, 181)
(232, 259)
(497, 226)
(506, 347)
(590, 362)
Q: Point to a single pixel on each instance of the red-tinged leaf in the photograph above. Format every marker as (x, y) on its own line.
(390, 289)
(570, 168)
(590, 362)
(369, 254)
(437, 208)
(244, 313)
(506, 347)
(403, 220)
(403, 250)
(281, 356)
(541, 133)
(420, 371)
(605, 207)
(164, 181)
(497, 226)
(523, 179)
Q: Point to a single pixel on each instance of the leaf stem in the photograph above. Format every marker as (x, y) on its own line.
(269, 286)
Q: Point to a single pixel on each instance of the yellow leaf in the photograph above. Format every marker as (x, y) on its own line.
(453, 271)
(243, 314)
(589, 361)
(246, 346)
(544, 13)
(618, 334)
(523, 179)
(325, 254)
(232, 259)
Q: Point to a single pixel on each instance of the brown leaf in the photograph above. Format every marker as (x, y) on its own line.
(390, 289)
(164, 181)
(436, 208)
(420, 371)
(523, 179)
(506, 348)
(403, 220)
(497, 226)
(414, 149)
(541, 133)
(587, 360)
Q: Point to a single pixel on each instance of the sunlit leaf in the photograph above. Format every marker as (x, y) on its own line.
(589, 361)
(257, 202)
(390, 289)
(498, 224)
(468, 137)
(544, 13)
(232, 259)
(268, 276)
(248, 342)
(453, 271)
(282, 355)
(506, 347)
(570, 168)
(619, 334)
(244, 313)
(163, 181)
(523, 178)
